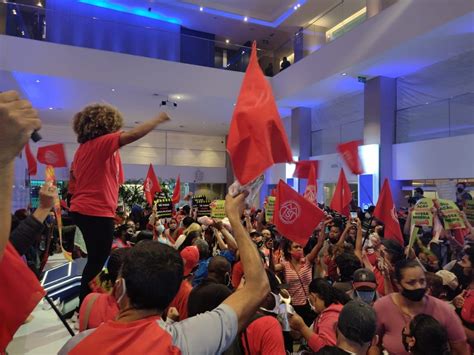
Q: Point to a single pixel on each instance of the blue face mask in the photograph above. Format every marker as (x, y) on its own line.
(365, 296)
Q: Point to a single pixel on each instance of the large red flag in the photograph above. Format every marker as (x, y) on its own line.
(21, 292)
(350, 153)
(295, 217)
(177, 191)
(257, 138)
(387, 213)
(303, 168)
(311, 187)
(342, 196)
(151, 185)
(30, 160)
(53, 155)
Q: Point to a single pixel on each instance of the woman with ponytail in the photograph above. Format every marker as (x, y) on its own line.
(327, 301)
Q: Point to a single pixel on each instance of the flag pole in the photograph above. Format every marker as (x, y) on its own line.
(61, 317)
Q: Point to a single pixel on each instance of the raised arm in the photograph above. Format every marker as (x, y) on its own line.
(246, 300)
(17, 121)
(142, 130)
(313, 254)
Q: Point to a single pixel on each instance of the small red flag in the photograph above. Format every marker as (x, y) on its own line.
(342, 196)
(386, 212)
(303, 168)
(311, 191)
(350, 154)
(177, 191)
(151, 185)
(257, 138)
(295, 217)
(30, 160)
(53, 155)
(21, 292)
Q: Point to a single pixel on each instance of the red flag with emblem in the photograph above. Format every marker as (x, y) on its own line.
(303, 168)
(21, 292)
(30, 160)
(257, 138)
(177, 191)
(53, 155)
(151, 185)
(387, 213)
(342, 196)
(295, 217)
(350, 154)
(311, 187)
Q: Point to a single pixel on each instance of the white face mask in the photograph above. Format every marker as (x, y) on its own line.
(311, 305)
(160, 228)
(276, 309)
(124, 290)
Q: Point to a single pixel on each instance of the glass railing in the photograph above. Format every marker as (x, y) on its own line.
(436, 119)
(167, 42)
(141, 36)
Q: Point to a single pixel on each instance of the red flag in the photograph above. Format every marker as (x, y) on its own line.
(257, 138)
(311, 187)
(350, 153)
(342, 196)
(303, 168)
(21, 292)
(177, 192)
(31, 161)
(387, 213)
(53, 155)
(151, 185)
(295, 217)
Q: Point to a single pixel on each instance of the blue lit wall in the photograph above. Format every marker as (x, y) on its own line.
(197, 47)
(79, 24)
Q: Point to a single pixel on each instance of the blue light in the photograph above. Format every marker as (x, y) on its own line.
(132, 10)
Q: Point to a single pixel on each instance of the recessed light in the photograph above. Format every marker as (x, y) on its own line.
(295, 7)
(50, 108)
(246, 18)
(344, 74)
(113, 90)
(178, 97)
(201, 8)
(37, 80)
(14, 12)
(227, 41)
(39, 4)
(298, 6)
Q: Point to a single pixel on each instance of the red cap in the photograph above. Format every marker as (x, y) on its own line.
(190, 257)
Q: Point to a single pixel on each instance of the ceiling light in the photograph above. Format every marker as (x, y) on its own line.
(298, 6)
(14, 12)
(201, 8)
(37, 80)
(51, 108)
(39, 4)
(295, 7)
(178, 97)
(344, 74)
(227, 41)
(113, 90)
(246, 18)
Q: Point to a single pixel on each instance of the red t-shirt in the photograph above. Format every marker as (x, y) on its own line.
(237, 273)
(98, 173)
(103, 309)
(180, 301)
(264, 336)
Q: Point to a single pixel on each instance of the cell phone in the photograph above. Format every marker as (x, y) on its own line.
(353, 215)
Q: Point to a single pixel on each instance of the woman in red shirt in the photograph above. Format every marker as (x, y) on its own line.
(97, 172)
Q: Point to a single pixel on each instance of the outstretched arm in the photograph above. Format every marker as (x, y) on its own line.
(18, 120)
(142, 130)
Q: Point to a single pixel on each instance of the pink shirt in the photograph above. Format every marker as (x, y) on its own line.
(390, 322)
(298, 282)
(324, 328)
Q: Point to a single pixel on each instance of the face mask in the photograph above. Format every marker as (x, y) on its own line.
(275, 309)
(297, 254)
(414, 295)
(367, 215)
(311, 305)
(365, 296)
(227, 279)
(160, 228)
(124, 291)
(460, 189)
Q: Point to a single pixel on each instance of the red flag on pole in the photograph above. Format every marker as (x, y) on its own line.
(177, 191)
(151, 185)
(342, 196)
(53, 155)
(311, 191)
(257, 138)
(303, 168)
(21, 292)
(350, 154)
(30, 160)
(295, 217)
(386, 212)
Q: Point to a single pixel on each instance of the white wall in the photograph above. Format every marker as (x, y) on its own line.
(434, 159)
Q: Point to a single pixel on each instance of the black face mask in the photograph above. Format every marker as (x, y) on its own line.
(460, 189)
(414, 295)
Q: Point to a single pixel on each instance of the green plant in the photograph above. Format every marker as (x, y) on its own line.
(131, 192)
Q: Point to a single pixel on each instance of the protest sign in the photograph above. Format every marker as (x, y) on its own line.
(218, 209)
(469, 210)
(269, 208)
(164, 208)
(422, 215)
(202, 204)
(450, 213)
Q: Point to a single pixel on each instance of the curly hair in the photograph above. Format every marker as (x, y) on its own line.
(96, 120)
